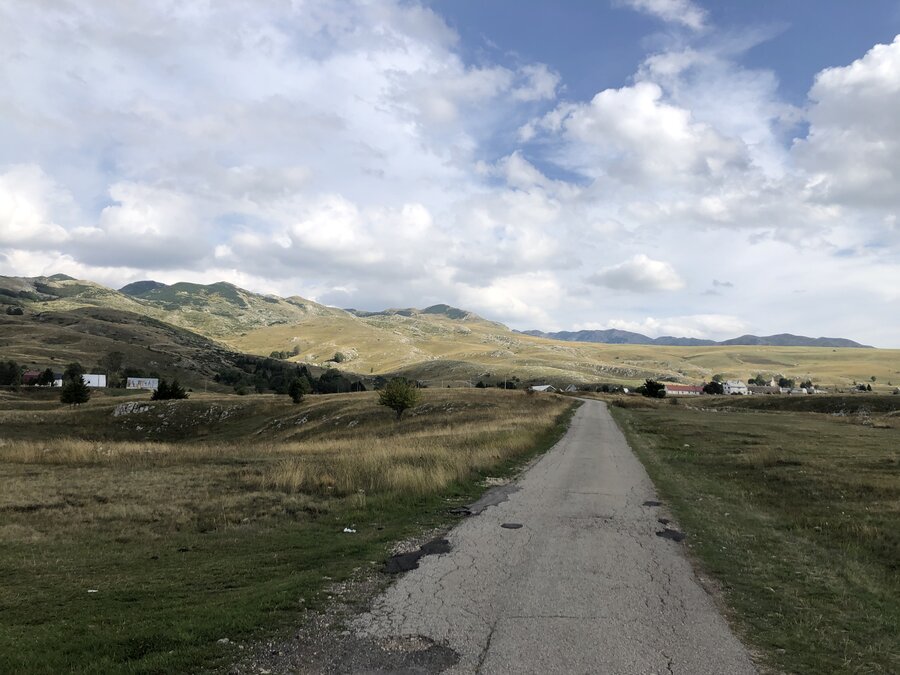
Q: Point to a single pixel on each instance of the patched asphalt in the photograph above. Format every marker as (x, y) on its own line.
(588, 583)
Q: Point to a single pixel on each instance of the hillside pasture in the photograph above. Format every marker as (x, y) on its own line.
(134, 542)
(794, 515)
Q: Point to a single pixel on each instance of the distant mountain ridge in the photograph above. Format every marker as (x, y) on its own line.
(614, 336)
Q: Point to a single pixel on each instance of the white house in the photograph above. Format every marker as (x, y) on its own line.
(571, 389)
(149, 383)
(682, 389)
(735, 387)
(94, 380)
(549, 388)
(90, 379)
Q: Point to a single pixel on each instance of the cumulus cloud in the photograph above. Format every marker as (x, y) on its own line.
(852, 151)
(705, 326)
(352, 153)
(639, 274)
(680, 12)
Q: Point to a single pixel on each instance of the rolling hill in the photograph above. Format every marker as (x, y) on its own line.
(441, 345)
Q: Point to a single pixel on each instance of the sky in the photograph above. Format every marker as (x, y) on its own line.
(672, 167)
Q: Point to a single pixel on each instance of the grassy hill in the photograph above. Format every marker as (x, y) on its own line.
(441, 345)
(87, 334)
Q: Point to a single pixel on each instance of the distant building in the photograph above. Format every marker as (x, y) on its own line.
(682, 389)
(94, 380)
(151, 383)
(90, 379)
(31, 376)
(571, 388)
(544, 387)
(764, 390)
(735, 387)
(799, 391)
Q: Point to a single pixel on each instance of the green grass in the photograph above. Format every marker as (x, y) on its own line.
(183, 542)
(796, 515)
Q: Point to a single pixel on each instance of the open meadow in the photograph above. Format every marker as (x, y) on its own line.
(791, 504)
(136, 534)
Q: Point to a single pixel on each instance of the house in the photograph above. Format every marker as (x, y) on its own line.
(735, 387)
(94, 380)
(571, 389)
(799, 391)
(753, 389)
(549, 388)
(149, 383)
(682, 389)
(31, 376)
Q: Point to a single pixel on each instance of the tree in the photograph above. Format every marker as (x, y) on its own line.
(480, 385)
(718, 377)
(653, 389)
(807, 384)
(298, 388)
(785, 382)
(15, 311)
(713, 388)
(73, 371)
(759, 380)
(46, 378)
(112, 362)
(166, 391)
(398, 395)
(74, 391)
(338, 357)
(10, 373)
(873, 378)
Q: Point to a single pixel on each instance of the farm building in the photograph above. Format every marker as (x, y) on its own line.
(571, 389)
(735, 387)
(90, 379)
(753, 389)
(549, 388)
(150, 383)
(682, 389)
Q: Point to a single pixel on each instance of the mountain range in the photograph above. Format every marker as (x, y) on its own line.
(197, 330)
(614, 336)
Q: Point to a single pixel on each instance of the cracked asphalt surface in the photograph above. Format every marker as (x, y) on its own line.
(584, 586)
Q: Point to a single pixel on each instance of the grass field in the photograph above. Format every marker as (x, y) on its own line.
(132, 543)
(795, 514)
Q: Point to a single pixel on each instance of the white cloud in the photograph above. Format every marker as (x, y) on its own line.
(852, 152)
(681, 12)
(353, 154)
(31, 204)
(639, 274)
(703, 326)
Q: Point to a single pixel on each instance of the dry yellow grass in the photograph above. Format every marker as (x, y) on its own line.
(450, 436)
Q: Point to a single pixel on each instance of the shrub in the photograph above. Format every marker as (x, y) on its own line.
(166, 391)
(398, 395)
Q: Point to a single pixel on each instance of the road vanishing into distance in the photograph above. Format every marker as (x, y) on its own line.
(569, 574)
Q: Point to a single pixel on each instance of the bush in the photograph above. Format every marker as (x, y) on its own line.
(15, 311)
(166, 391)
(398, 395)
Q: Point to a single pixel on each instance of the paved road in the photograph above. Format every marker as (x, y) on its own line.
(584, 586)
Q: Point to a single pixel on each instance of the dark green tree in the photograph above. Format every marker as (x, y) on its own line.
(166, 391)
(298, 388)
(399, 395)
(46, 378)
(785, 382)
(73, 371)
(653, 389)
(74, 391)
(10, 373)
(713, 388)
